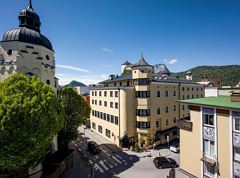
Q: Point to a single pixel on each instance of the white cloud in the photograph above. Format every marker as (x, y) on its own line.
(171, 61)
(107, 50)
(86, 79)
(73, 68)
(105, 65)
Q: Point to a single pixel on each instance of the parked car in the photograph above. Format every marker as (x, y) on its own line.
(163, 162)
(175, 148)
(93, 147)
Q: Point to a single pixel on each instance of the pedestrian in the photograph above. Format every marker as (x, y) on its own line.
(154, 144)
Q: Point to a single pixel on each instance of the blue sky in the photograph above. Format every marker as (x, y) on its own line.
(91, 38)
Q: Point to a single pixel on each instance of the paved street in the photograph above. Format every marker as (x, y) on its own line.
(113, 162)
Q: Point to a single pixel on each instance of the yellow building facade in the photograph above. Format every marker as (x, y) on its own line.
(210, 138)
(141, 105)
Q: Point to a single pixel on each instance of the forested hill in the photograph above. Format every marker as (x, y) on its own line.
(229, 75)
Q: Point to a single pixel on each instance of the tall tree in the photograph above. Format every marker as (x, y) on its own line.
(30, 116)
(77, 110)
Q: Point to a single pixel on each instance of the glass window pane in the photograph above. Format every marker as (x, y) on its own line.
(206, 147)
(212, 150)
(237, 124)
(237, 153)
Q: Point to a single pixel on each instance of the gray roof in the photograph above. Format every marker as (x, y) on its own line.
(119, 78)
(126, 63)
(141, 62)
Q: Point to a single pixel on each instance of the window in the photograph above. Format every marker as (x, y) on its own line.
(143, 125)
(100, 129)
(174, 120)
(166, 93)
(158, 93)
(93, 125)
(92, 101)
(120, 83)
(192, 96)
(95, 102)
(95, 93)
(174, 107)
(209, 170)
(183, 88)
(183, 107)
(104, 116)
(92, 112)
(108, 117)
(105, 103)
(115, 84)
(183, 97)
(208, 148)
(143, 112)
(108, 133)
(100, 103)
(92, 93)
(101, 115)
(167, 122)
(100, 93)
(158, 110)
(174, 93)
(236, 123)
(116, 120)
(187, 96)
(187, 88)
(236, 153)
(157, 123)
(128, 83)
(105, 93)
(111, 104)
(112, 119)
(142, 94)
(47, 57)
(111, 93)
(142, 81)
(48, 82)
(116, 93)
(116, 105)
(208, 119)
(192, 89)
(166, 110)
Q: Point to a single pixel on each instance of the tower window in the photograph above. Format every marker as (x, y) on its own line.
(48, 82)
(9, 52)
(47, 57)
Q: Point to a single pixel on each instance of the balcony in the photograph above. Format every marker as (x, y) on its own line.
(143, 118)
(143, 130)
(143, 102)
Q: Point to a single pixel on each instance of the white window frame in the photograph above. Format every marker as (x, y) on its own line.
(234, 120)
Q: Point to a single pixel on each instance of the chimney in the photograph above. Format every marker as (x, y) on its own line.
(235, 97)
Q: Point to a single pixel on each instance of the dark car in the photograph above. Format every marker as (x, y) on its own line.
(162, 162)
(93, 147)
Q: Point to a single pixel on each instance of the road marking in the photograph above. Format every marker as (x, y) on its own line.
(116, 159)
(97, 167)
(111, 166)
(103, 165)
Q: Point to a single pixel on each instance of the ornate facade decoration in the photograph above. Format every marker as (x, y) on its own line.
(209, 133)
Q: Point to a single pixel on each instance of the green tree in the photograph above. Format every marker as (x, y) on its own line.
(30, 116)
(77, 110)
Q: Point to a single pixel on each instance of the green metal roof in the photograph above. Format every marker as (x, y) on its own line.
(220, 101)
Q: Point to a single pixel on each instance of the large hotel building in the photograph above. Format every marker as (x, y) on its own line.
(141, 104)
(210, 138)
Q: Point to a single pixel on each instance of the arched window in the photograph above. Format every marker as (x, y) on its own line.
(166, 109)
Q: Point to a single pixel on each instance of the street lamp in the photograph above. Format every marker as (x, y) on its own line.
(84, 143)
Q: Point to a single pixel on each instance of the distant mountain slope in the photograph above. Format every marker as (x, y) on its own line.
(76, 84)
(229, 75)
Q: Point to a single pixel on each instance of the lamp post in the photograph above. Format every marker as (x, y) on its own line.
(84, 143)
